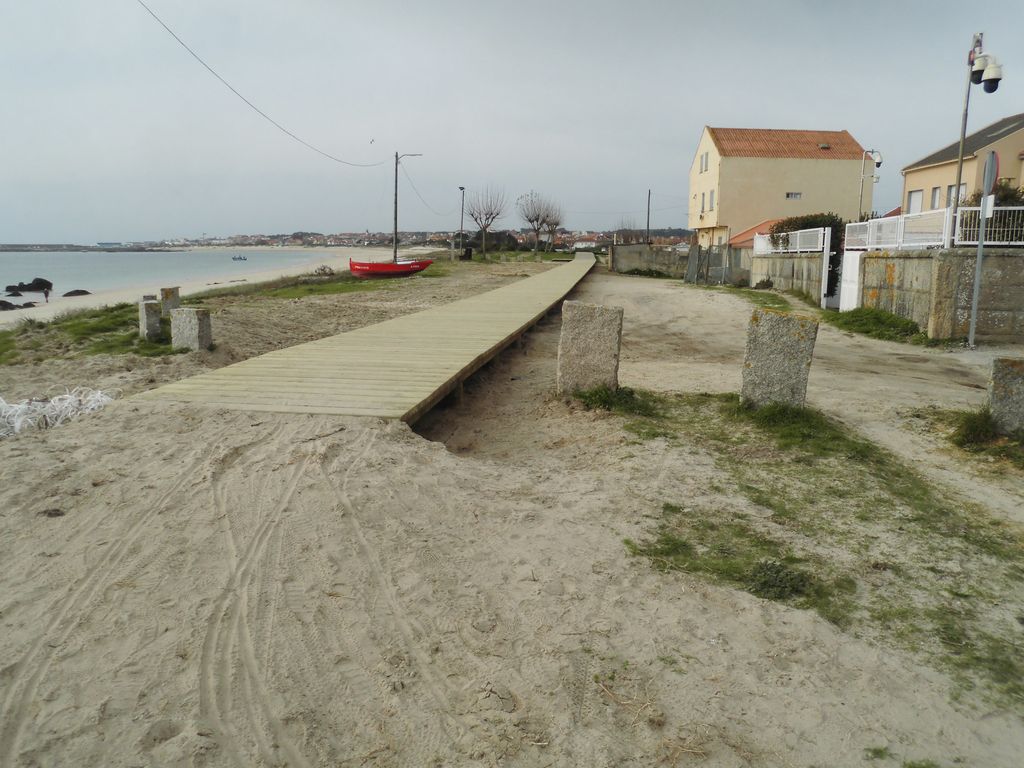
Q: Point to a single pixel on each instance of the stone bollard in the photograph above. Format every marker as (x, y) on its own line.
(149, 319)
(778, 358)
(170, 299)
(588, 349)
(1006, 394)
(190, 329)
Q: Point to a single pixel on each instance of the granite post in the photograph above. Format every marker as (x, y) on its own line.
(191, 329)
(170, 298)
(149, 320)
(588, 348)
(778, 358)
(1006, 394)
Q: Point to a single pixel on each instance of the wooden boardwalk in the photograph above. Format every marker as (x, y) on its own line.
(398, 369)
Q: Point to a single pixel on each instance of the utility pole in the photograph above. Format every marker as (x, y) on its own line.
(394, 236)
(647, 238)
(987, 187)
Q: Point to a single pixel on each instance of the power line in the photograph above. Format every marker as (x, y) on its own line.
(252, 106)
(429, 206)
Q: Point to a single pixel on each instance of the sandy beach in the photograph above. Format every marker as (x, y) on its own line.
(198, 587)
(335, 258)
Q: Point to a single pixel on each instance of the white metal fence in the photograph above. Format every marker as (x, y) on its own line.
(936, 229)
(1006, 227)
(799, 241)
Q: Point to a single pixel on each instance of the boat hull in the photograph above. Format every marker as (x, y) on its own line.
(368, 269)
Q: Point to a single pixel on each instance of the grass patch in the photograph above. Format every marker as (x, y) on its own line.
(876, 324)
(758, 297)
(294, 287)
(810, 514)
(736, 553)
(657, 273)
(975, 432)
(624, 401)
(877, 753)
(110, 330)
(805, 297)
(8, 348)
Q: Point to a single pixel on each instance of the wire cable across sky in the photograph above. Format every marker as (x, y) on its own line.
(252, 106)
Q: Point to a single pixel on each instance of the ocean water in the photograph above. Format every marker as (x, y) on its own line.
(95, 271)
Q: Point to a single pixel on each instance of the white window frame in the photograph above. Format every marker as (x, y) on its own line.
(711, 200)
(911, 199)
(936, 197)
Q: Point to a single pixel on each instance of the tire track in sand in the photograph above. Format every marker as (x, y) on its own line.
(449, 721)
(228, 627)
(33, 665)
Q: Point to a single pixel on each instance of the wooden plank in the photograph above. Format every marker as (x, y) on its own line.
(398, 368)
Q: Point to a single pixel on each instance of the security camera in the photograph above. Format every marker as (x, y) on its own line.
(877, 157)
(878, 163)
(978, 68)
(991, 76)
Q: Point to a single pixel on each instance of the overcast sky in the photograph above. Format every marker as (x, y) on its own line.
(110, 130)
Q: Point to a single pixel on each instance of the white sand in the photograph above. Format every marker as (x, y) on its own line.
(335, 258)
(194, 587)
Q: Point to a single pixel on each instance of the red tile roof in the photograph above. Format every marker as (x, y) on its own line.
(773, 142)
(745, 239)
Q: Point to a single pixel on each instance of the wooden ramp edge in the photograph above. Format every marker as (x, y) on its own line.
(398, 369)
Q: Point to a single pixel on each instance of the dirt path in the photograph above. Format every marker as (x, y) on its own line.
(678, 338)
(196, 587)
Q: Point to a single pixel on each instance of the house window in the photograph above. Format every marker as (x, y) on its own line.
(915, 198)
(711, 201)
(949, 194)
(794, 195)
(936, 197)
(702, 195)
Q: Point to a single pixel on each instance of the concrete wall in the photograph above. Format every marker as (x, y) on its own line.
(625, 258)
(933, 288)
(789, 271)
(899, 282)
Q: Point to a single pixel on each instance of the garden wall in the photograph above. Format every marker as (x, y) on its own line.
(626, 258)
(933, 288)
(789, 271)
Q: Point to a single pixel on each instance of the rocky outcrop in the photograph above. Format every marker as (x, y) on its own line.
(38, 285)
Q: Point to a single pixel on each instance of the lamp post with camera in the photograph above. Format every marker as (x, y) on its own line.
(982, 68)
(875, 155)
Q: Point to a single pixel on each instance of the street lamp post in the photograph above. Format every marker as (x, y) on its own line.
(877, 157)
(462, 220)
(394, 236)
(981, 68)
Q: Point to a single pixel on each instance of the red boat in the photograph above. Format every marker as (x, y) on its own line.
(387, 268)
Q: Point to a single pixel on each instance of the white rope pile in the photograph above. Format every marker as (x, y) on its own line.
(41, 413)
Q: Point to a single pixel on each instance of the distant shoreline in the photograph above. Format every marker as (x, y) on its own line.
(336, 257)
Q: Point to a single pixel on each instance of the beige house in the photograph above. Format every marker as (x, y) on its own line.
(742, 176)
(928, 184)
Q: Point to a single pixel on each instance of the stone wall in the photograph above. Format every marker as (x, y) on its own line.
(899, 282)
(933, 288)
(789, 271)
(626, 258)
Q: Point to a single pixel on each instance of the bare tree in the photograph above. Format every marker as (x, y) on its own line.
(628, 232)
(552, 221)
(535, 210)
(485, 207)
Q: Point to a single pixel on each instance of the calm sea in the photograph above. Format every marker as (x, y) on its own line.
(95, 271)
